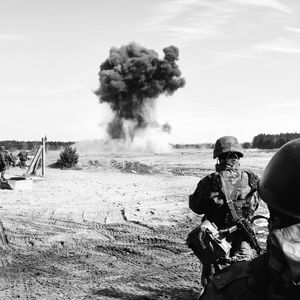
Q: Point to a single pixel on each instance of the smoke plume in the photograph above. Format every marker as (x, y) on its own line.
(166, 128)
(131, 78)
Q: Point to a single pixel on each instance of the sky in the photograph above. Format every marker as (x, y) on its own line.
(240, 60)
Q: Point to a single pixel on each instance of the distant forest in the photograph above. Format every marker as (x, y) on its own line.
(273, 141)
(195, 146)
(261, 141)
(33, 145)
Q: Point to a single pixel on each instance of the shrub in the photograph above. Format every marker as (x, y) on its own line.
(68, 158)
(246, 145)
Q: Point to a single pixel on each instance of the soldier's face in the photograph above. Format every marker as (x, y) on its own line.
(228, 155)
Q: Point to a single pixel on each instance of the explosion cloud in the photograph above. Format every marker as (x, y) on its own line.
(131, 78)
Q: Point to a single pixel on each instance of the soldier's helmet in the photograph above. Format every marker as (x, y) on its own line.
(2, 148)
(279, 184)
(227, 144)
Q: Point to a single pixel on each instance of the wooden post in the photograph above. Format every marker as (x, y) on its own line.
(36, 166)
(44, 155)
(33, 162)
(40, 155)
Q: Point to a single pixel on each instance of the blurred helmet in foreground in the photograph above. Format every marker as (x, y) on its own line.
(279, 185)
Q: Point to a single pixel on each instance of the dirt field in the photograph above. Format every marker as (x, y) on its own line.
(110, 230)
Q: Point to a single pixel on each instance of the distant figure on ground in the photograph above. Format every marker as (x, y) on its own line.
(23, 157)
(275, 274)
(226, 197)
(3, 165)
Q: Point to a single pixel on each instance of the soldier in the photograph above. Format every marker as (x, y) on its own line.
(23, 157)
(275, 274)
(2, 162)
(9, 160)
(212, 197)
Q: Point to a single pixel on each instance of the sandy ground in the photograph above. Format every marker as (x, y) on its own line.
(100, 233)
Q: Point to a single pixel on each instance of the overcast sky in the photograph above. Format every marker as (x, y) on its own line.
(240, 59)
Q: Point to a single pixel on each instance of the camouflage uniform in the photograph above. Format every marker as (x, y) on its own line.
(8, 159)
(208, 199)
(276, 274)
(247, 281)
(22, 157)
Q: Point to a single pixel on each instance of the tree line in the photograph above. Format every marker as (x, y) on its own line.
(273, 141)
(13, 145)
(193, 146)
(260, 141)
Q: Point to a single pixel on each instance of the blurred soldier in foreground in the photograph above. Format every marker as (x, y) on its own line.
(275, 274)
(3, 165)
(228, 200)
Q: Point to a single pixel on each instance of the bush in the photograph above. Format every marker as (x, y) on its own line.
(68, 158)
(246, 145)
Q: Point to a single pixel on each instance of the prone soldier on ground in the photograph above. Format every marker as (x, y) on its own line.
(275, 274)
(228, 199)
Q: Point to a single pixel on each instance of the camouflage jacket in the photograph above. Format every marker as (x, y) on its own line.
(247, 280)
(22, 156)
(208, 198)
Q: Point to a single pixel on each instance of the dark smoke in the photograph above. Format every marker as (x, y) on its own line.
(131, 78)
(166, 128)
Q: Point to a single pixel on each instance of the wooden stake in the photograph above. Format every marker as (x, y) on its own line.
(36, 166)
(35, 158)
(44, 156)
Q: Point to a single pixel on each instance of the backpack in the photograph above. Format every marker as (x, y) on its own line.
(207, 243)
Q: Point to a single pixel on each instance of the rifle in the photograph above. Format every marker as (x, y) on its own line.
(241, 223)
(244, 225)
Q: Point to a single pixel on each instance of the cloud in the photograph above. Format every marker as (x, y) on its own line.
(283, 45)
(169, 10)
(191, 20)
(190, 33)
(242, 54)
(278, 103)
(293, 29)
(273, 4)
(41, 92)
(12, 37)
(283, 49)
(287, 42)
(188, 20)
(228, 30)
(287, 104)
